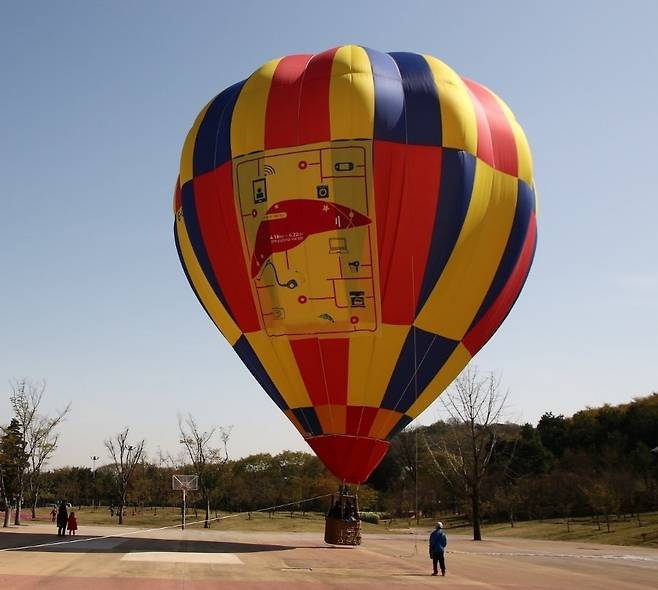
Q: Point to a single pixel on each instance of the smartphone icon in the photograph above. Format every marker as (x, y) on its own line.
(260, 190)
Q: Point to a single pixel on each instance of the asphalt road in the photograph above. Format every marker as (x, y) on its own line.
(113, 558)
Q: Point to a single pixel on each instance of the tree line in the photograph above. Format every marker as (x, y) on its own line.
(597, 462)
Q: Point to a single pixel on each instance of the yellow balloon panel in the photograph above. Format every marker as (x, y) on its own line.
(307, 226)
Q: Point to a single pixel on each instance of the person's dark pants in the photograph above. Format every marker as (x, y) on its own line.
(61, 530)
(440, 558)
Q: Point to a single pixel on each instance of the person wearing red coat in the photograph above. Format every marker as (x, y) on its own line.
(72, 524)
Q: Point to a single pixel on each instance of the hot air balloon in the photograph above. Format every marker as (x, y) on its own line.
(357, 225)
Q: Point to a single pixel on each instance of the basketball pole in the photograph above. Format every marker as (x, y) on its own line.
(184, 509)
(183, 483)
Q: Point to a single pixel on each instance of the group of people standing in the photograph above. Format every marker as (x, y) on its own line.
(64, 520)
(347, 511)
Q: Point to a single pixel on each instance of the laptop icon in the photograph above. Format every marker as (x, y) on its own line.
(337, 246)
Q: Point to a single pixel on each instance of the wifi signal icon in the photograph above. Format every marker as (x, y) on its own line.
(269, 169)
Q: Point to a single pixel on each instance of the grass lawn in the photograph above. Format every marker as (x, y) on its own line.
(622, 532)
(583, 530)
(150, 518)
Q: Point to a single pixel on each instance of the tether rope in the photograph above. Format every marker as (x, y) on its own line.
(163, 528)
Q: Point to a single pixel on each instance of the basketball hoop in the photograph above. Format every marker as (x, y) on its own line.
(185, 483)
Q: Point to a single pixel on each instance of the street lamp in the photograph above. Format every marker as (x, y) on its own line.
(94, 458)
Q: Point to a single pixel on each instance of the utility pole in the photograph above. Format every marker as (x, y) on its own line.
(416, 482)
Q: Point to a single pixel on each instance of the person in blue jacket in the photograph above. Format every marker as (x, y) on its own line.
(438, 542)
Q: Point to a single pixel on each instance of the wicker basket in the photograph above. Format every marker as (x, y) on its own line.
(342, 532)
(343, 526)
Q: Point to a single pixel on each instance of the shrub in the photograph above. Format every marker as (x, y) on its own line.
(371, 517)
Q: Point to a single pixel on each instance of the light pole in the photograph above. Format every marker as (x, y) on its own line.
(94, 458)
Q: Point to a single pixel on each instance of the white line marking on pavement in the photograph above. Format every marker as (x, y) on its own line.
(184, 557)
(559, 555)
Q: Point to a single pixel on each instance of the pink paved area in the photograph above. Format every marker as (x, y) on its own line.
(301, 561)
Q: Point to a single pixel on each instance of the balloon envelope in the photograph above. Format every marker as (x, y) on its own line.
(357, 224)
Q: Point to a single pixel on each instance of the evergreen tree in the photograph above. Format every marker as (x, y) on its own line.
(13, 459)
(553, 432)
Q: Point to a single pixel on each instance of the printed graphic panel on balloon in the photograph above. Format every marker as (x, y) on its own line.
(309, 238)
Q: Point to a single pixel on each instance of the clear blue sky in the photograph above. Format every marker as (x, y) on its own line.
(97, 98)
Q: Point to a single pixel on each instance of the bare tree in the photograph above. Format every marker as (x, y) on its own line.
(39, 438)
(125, 457)
(205, 459)
(475, 405)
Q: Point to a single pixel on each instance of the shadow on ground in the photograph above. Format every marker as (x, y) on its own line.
(91, 544)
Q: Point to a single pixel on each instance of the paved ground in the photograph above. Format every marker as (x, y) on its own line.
(205, 560)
